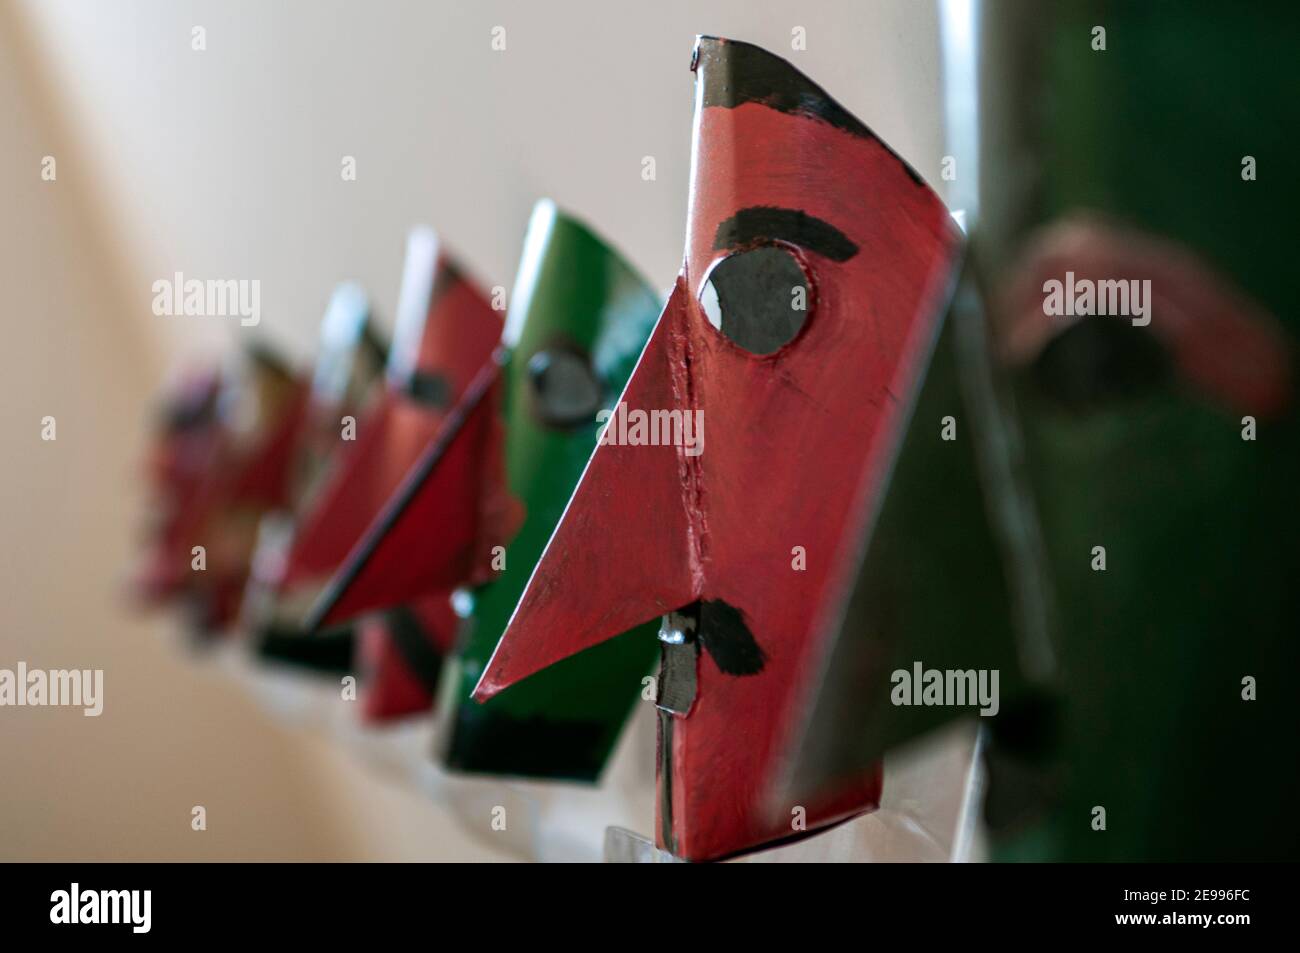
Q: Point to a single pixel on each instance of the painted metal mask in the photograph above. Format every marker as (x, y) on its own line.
(187, 442)
(817, 264)
(579, 319)
(445, 335)
(349, 365)
(262, 411)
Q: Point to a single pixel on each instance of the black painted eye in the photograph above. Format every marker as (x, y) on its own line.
(1100, 361)
(565, 390)
(758, 298)
(430, 388)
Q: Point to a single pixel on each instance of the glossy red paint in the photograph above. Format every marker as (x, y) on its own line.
(788, 439)
(391, 435)
(442, 536)
(452, 345)
(443, 350)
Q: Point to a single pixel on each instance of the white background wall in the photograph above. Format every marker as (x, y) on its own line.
(226, 163)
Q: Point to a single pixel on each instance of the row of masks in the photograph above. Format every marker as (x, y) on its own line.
(861, 476)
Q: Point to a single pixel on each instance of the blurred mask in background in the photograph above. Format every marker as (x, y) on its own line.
(578, 320)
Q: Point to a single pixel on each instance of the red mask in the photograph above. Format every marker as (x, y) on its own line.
(249, 470)
(446, 333)
(828, 260)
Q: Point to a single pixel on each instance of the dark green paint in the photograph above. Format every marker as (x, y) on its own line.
(932, 584)
(1201, 528)
(573, 292)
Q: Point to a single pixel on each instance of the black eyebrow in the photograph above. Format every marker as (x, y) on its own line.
(759, 222)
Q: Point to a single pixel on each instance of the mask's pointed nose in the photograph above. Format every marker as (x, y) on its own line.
(429, 536)
(622, 553)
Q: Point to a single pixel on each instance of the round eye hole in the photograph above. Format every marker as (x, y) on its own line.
(566, 392)
(758, 298)
(1100, 361)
